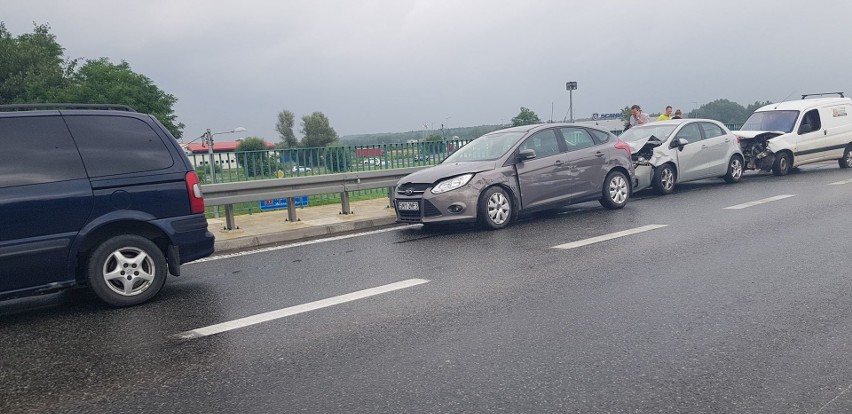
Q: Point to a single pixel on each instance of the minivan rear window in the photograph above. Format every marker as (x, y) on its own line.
(118, 145)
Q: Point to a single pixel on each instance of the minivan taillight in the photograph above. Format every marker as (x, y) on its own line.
(196, 199)
(623, 145)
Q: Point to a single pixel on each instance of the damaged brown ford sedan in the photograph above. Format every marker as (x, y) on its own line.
(502, 175)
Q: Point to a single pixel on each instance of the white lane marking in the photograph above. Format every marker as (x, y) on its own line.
(754, 203)
(842, 182)
(610, 236)
(833, 399)
(294, 310)
(299, 244)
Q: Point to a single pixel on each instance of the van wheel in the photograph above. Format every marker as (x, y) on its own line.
(846, 161)
(126, 270)
(616, 190)
(495, 208)
(781, 167)
(735, 170)
(664, 179)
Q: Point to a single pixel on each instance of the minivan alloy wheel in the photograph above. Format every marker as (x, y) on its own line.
(127, 270)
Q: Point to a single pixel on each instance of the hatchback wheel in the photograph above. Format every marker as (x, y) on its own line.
(782, 164)
(126, 270)
(495, 208)
(664, 179)
(846, 161)
(616, 190)
(735, 170)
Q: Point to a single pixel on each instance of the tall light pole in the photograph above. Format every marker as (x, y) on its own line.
(209, 140)
(571, 87)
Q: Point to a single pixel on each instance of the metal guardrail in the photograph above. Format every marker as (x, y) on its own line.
(228, 194)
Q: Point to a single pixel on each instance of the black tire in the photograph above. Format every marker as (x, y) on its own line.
(616, 190)
(735, 170)
(781, 166)
(494, 208)
(143, 279)
(664, 179)
(846, 161)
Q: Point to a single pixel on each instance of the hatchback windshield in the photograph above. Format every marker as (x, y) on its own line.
(486, 148)
(771, 121)
(639, 133)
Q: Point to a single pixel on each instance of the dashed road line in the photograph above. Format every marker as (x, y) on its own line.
(294, 310)
(841, 182)
(610, 236)
(757, 202)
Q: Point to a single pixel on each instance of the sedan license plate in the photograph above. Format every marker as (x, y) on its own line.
(407, 205)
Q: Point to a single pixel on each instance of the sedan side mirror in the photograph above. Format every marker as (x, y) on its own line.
(679, 143)
(526, 154)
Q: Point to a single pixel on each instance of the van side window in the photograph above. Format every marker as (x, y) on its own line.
(810, 122)
(543, 143)
(118, 145)
(37, 150)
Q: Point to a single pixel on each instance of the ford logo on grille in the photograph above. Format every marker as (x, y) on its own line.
(408, 192)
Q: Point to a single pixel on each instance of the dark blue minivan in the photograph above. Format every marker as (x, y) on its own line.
(98, 196)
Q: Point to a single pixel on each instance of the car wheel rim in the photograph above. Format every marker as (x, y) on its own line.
(618, 189)
(849, 158)
(782, 164)
(736, 168)
(667, 178)
(129, 271)
(498, 208)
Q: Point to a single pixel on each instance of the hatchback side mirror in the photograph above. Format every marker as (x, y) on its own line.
(526, 154)
(679, 143)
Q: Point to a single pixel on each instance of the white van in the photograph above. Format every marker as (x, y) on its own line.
(785, 135)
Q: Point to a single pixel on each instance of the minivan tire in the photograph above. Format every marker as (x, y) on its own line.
(145, 266)
(846, 161)
(616, 190)
(494, 208)
(735, 170)
(781, 167)
(664, 179)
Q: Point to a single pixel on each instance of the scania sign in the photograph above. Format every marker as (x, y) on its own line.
(596, 116)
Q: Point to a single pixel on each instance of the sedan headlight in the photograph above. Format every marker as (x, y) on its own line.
(451, 184)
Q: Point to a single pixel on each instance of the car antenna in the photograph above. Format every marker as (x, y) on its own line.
(785, 98)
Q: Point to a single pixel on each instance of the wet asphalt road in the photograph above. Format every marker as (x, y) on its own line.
(722, 310)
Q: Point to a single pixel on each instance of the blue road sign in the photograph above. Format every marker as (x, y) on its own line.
(279, 203)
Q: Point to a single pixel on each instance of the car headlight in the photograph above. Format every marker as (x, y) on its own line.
(451, 184)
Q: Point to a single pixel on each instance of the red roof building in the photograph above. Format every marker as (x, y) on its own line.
(223, 146)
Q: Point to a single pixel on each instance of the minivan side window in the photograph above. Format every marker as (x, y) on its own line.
(118, 145)
(810, 122)
(38, 150)
(711, 130)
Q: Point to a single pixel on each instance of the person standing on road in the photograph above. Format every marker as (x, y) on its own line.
(637, 117)
(677, 114)
(667, 115)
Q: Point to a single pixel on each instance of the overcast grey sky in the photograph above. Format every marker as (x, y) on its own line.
(395, 65)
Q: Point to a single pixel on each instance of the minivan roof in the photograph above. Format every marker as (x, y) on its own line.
(802, 104)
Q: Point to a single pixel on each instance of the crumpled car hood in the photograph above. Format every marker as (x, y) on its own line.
(441, 171)
(637, 145)
(758, 134)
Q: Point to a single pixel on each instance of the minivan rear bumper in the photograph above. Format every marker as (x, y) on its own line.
(190, 235)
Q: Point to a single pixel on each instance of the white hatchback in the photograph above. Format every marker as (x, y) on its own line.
(681, 150)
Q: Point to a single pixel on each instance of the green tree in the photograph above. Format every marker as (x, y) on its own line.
(317, 131)
(31, 66)
(525, 117)
(253, 156)
(99, 81)
(723, 111)
(286, 121)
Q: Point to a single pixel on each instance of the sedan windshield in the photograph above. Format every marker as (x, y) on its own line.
(639, 133)
(771, 121)
(486, 148)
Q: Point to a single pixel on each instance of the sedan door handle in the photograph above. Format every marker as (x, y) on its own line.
(703, 147)
(558, 162)
(599, 154)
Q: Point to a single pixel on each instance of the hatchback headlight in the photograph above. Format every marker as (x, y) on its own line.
(451, 184)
